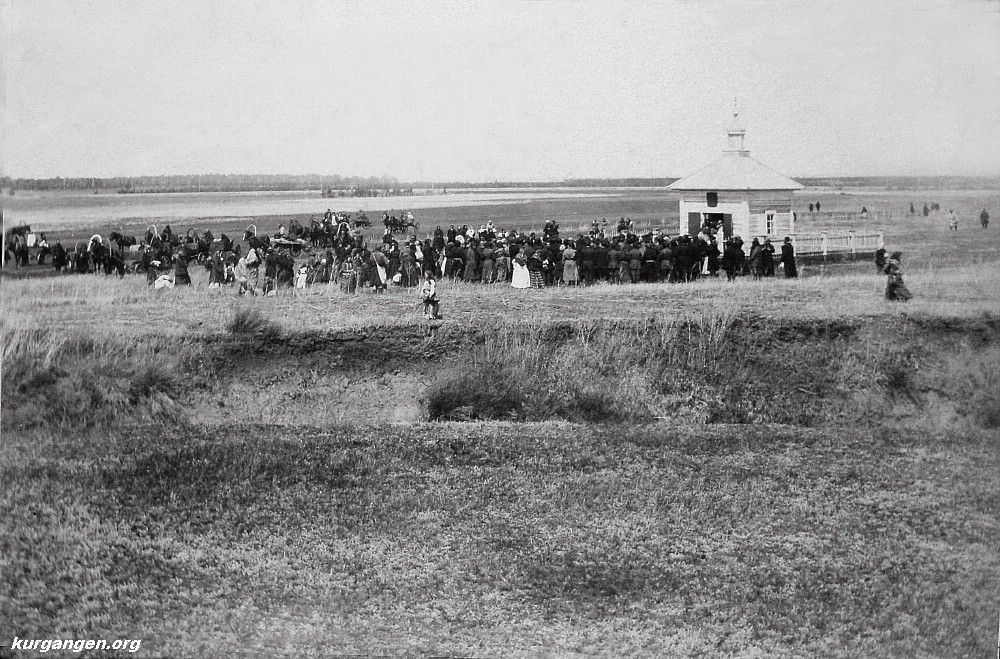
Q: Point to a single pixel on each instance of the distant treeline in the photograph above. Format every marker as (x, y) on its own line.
(371, 185)
(903, 182)
(205, 183)
(568, 183)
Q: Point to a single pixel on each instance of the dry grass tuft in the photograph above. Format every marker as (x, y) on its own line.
(251, 321)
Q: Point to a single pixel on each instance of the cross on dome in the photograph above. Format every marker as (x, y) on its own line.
(737, 133)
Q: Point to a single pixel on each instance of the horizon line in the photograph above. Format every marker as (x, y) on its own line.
(397, 180)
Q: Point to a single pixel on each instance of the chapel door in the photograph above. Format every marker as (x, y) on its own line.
(694, 224)
(727, 226)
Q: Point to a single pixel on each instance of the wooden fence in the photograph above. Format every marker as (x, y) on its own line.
(835, 243)
(877, 216)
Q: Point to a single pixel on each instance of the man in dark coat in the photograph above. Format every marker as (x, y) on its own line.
(713, 257)
(586, 255)
(681, 264)
(731, 261)
(650, 262)
(181, 275)
(59, 260)
(634, 257)
(601, 260)
(788, 259)
(697, 256)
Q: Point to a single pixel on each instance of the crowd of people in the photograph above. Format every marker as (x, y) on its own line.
(333, 252)
(530, 260)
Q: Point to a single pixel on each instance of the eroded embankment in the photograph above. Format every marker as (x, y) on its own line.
(937, 372)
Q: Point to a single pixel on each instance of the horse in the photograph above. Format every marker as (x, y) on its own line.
(98, 252)
(122, 240)
(362, 221)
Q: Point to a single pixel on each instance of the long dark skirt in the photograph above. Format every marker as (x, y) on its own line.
(536, 278)
(896, 291)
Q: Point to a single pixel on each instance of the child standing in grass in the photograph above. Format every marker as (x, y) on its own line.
(428, 293)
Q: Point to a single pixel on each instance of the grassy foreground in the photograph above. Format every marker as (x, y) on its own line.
(496, 539)
(826, 481)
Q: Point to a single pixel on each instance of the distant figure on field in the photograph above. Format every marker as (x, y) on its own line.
(912, 210)
(984, 219)
(788, 259)
(428, 293)
(880, 259)
(810, 207)
(895, 289)
(817, 206)
(926, 210)
(952, 220)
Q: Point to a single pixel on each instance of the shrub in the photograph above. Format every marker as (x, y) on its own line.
(79, 381)
(490, 394)
(898, 377)
(250, 320)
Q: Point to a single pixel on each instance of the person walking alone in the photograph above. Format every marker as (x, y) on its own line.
(895, 289)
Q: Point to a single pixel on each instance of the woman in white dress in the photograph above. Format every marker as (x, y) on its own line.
(520, 277)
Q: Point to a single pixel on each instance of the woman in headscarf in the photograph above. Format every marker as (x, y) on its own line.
(895, 289)
(767, 258)
(503, 265)
(217, 271)
(181, 275)
(756, 259)
(570, 271)
(520, 277)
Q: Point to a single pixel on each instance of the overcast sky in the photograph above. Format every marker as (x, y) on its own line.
(498, 91)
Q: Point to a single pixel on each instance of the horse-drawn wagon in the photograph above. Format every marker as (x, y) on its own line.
(401, 224)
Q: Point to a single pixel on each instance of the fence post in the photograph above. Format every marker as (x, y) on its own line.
(822, 243)
(850, 241)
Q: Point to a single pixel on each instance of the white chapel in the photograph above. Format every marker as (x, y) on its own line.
(736, 195)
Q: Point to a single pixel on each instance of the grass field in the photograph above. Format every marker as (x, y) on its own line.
(754, 469)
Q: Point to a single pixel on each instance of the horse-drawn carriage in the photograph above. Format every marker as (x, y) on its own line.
(400, 224)
(295, 246)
